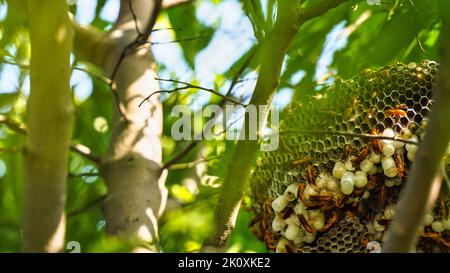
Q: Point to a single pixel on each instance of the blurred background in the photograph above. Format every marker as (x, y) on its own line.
(204, 43)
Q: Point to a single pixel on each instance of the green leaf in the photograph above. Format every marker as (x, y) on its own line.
(192, 35)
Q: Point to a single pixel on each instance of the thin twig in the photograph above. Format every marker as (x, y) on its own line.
(102, 78)
(192, 164)
(342, 133)
(179, 40)
(188, 86)
(14, 125)
(86, 152)
(73, 175)
(140, 39)
(194, 143)
(88, 206)
(133, 13)
(168, 4)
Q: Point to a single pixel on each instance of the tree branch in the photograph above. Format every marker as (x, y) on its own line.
(317, 10)
(425, 177)
(86, 152)
(273, 51)
(194, 143)
(97, 201)
(188, 86)
(168, 4)
(50, 120)
(14, 125)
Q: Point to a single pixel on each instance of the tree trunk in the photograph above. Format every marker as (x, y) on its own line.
(132, 165)
(50, 118)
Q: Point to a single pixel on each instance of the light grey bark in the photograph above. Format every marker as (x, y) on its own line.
(131, 166)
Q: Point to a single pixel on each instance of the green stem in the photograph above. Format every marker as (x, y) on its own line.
(274, 48)
(50, 118)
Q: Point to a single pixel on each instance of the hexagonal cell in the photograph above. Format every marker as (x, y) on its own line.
(388, 100)
(424, 111)
(424, 101)
(402, 98)
(327, 142)
(395, 94)
(400, 81)
(365, 128)
(380, 115)
(417, 107)
(397, 128)
(388, 122)
(380, 104)
(416, 97)
(351, 125)
(320, 146)
(404, 121)
(379, 127)
(341, 140)
(409, 93)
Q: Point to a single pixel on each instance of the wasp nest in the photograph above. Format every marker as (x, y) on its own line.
(333, 184)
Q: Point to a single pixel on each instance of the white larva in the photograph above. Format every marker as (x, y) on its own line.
(398, 182)
(321, 181)
(293, 220)
(360, 179)
(279, 203)
(349, 165)
(412, 147)
(446, 224)
(410, 156)
(370, 228)
(313, 214)
(347, 183)
(308, 190)
(375, 158)
(389, 167)
(373, 170)
(428, 219)
(389, 212)
(406, 133)
(378, 227)
(388, 132)
(398, 144)
(281, 246)
(299, 208)
(292, 232)
(388, 150)
(437, 226)
(318, 222)
(374, 247)
(389, 183)
(278, 224)
(339, 169)
(309, 238)
(332, 184)
(366, 165)
(366, 195)
(299, 239)
(291, 192)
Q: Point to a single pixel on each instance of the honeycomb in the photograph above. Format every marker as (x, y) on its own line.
(344, 154)
(344, 237)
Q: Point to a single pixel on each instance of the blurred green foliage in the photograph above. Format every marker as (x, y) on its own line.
(397, 30)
